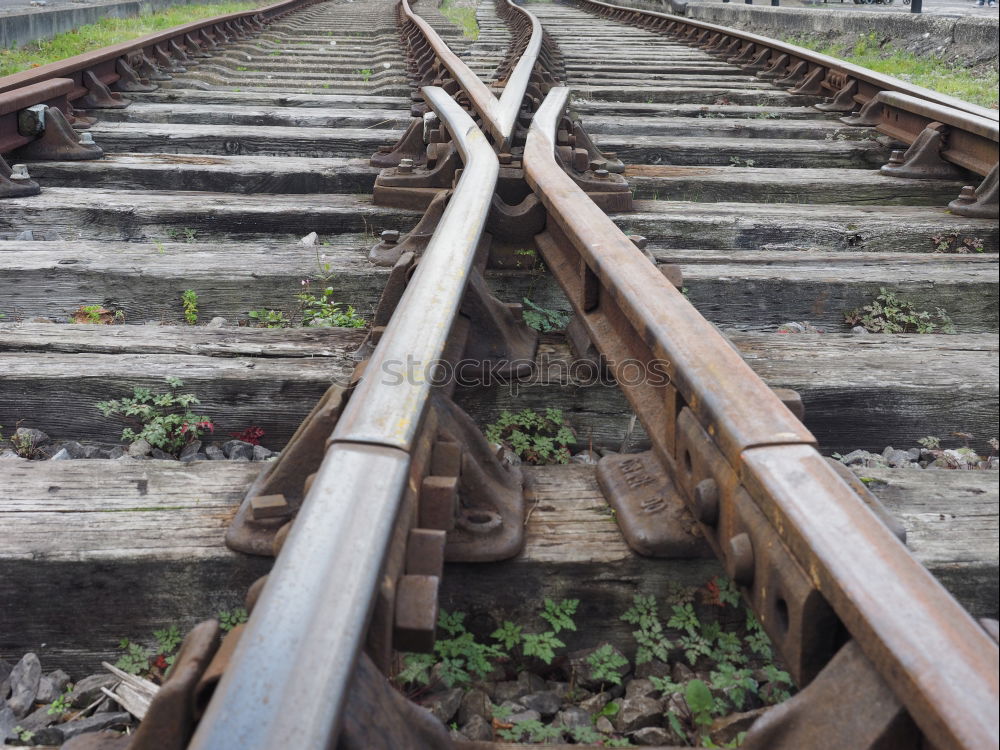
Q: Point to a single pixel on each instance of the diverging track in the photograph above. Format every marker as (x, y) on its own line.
(761, 211)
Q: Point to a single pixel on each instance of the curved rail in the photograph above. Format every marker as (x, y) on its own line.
(838, 71)
(296, 657)
(499, 115)
(889, 603)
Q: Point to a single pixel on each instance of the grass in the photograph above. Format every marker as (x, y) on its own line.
(929, 71)
(463, 16)
(110, 31)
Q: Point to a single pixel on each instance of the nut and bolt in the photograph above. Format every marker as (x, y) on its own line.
(968, 194)
(405, 166)
(19, 172)
(86, 139)
(390, 236)
(896, 157)
(504, 158)
(602, 174)
(611, 155)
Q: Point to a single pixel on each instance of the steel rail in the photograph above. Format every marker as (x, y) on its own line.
(287, 681)
(512, 97)
(973, 142)
(876, 81)
(174, 42)
(499, 115)
(939, 662)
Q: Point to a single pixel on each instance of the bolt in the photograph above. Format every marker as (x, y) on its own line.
(596, 164)
(390, 236)
(968, 194)
(739, 560)
(610, 155)
(405, 166)
(602, 174)
(504, 158)
(896, 157)
(706, 502)
(19, 172)
(86, 139)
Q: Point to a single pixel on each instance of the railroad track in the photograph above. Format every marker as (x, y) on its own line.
(758, 208)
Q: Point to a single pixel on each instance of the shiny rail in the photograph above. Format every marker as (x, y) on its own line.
(939, 662)
(297, 655)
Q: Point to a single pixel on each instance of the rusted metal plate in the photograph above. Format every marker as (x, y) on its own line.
(653, 517)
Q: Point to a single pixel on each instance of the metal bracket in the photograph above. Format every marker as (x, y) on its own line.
(100, 96)
(922, 160)
(811, 84)
(979, 202)
(15, 183)
(388, 251)
(409, 146)
(130, 81)
(652, 515)
(277, 494)
(842, 101)
(58, 142)
(402, 187)
(847, 705)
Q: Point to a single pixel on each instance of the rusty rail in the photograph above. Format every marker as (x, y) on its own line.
(783, 521)
(97, 80)
(939, 129)
(802, 69)
(289, 676)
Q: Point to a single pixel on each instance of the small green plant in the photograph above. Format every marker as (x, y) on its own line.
(462, 16)
(530, 730)
(365, 73)
(950, 243)
(323, 311)
(605, 663)
(97, 315)
(536, 438)
(735, 161)
(24, 445)
(23, 734)
(930, 442)
(61, 704)
(165, 420)
(185, 234)
(136, 658)
(541, 319)
(890, 314)
(230, 618)
(264, 318)
(700, 702)
(652, 640)
(189, 300)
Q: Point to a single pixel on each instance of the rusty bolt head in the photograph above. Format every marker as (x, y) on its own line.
(968, 194)
(706, 502)
(602, 174)
(896, 157)
(19, 172)
(596, 164)
(610, 155)
(390, 236)
(739, 560)
(405, 166)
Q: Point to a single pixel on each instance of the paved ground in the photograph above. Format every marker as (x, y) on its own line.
(17, 7)
(930, 7)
